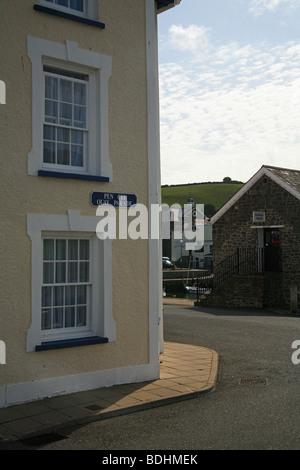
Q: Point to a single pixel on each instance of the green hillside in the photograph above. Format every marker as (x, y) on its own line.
(210, 194)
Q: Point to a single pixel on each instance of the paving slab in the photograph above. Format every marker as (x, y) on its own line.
(186, 372)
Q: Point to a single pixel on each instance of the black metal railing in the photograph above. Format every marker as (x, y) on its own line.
(242, 261)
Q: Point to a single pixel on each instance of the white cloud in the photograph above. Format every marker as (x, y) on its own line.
(258, 7)
(229, 114)
(193, 39)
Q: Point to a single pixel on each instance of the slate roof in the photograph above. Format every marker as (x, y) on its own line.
(286, 178)
(290, 177)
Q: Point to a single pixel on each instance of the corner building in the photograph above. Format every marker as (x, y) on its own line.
(80, 116)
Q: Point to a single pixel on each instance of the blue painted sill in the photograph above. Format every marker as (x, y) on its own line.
(74, 176)
(71, 343)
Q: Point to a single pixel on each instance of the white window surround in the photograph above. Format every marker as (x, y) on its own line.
(70, 57)
(90, 9)
(72, 224)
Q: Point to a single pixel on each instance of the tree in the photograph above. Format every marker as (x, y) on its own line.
(227, 179)
(209, 210)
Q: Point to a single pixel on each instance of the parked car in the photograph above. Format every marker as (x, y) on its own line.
(166, 262)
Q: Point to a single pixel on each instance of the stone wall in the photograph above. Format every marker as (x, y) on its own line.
(249, 291)
(239, 291)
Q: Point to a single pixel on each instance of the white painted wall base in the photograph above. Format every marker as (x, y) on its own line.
(37, 390)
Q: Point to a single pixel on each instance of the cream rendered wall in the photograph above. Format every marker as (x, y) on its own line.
(124, 40)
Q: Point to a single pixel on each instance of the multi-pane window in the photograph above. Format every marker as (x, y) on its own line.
(65, 118)
(77, 5)
(66, 288)
(69, 111)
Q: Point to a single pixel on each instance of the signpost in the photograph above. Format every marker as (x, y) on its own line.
(113, 199)
(259, 216)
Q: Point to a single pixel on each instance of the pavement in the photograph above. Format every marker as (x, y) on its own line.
(186, 372)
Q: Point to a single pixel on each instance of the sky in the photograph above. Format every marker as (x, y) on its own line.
(229, 78)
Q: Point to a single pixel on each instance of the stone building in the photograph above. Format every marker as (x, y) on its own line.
(256, 242)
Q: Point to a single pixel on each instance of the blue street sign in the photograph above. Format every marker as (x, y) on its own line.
(113, 199)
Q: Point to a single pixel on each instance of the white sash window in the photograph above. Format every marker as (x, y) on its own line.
(67, 285)
(78, 6)
(69, 110)
(81, 8)
(65, 133)
(71, 280)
